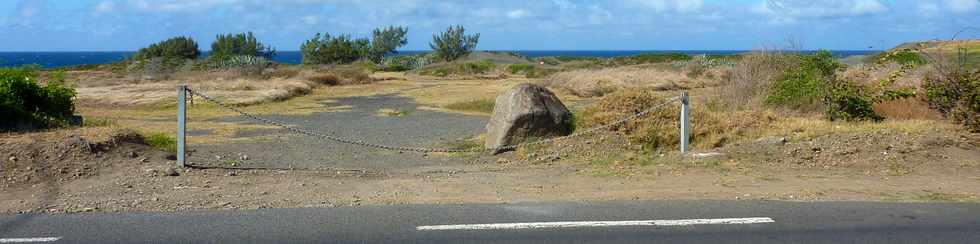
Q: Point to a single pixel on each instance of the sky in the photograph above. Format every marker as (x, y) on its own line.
(123, 25)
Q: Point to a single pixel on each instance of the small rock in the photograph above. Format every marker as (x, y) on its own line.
(232, 173)
(13, 159)
(172, 172)
(244, 157)
(132, 155)
(144, 160)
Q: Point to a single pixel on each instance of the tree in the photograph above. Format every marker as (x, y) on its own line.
(454, 43)
(174, 48)
(326, 49)
(244, 44)
(386, 40)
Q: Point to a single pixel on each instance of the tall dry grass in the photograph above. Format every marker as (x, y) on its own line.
(598, 82)
(747, 83)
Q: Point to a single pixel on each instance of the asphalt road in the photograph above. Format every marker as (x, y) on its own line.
(792, 222)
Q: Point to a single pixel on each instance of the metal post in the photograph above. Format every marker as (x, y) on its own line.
(181, 124)
(685, 122)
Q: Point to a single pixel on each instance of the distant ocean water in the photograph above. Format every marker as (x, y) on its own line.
(63, 59)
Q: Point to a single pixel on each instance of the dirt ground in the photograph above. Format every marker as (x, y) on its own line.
(105, 168)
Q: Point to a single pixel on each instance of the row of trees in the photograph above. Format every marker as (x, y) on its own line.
(321, 49)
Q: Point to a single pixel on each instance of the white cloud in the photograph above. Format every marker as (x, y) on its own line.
(927, 9)
(311, 19)
(793, 9)
(518, 14)
(105, 7)
(962, 6)
(680, 6)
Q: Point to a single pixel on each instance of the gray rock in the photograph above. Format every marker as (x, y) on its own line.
(524, 112)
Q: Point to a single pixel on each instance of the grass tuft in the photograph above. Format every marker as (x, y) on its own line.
(479, 105)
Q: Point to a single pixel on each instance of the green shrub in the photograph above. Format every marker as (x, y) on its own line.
(24, 102)
(521, 68)
(803, 86)
(242, 44)
(453, 43)
(644, 58)
(815, 80)
(162, 141)
(173, 48)
(326, 49)
(956, 95)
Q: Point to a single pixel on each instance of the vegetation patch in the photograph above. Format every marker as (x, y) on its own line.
(26, 104)
(460, 68)
(163, 141)
(478, 105)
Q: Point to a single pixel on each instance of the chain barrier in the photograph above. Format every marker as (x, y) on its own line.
(419, 149)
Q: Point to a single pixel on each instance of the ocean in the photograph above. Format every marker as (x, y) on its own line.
(63, 59)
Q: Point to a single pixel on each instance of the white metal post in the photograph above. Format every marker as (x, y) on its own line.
(685, 122)
(181, 124)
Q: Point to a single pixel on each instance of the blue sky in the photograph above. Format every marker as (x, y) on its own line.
(102, 25)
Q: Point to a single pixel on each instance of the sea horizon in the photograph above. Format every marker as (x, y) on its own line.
(59, 59)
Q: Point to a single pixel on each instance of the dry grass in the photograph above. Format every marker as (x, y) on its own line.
(747, 83)
(594, 83)
(906, 109)
(710, 128)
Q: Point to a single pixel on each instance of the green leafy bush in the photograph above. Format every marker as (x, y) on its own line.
(162, 141)
(956, 95)
(342, 49)
(24, 102)
(453, 43)
(173, 48)
(326, 49)
(803, 86)
(815, 80)
(241, 44)
(521, 68)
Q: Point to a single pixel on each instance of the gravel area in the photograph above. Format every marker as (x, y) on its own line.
(407, 126)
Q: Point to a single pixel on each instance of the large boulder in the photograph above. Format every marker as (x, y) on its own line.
(524, 112)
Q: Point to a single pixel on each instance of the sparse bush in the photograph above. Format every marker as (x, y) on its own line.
(325, 79)
(242, 44)
(173, 48)
(905, 56)
(25, 103)
(460, 68)
(957, 96)
(453, 43)
(749, 80)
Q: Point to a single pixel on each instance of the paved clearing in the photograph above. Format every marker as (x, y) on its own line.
(792, 222)
(381, 119)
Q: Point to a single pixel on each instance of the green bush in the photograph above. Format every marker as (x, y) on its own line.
(659, 57)
(453, 43)
(326, 49)
(804, 85)
(173, 48)
(342, 49)
(241, 44)
(956, 95)
(815, 80)
(24, 102)
(479, 105)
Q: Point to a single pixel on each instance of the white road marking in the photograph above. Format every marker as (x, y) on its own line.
(537, 225)
(32, 239)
